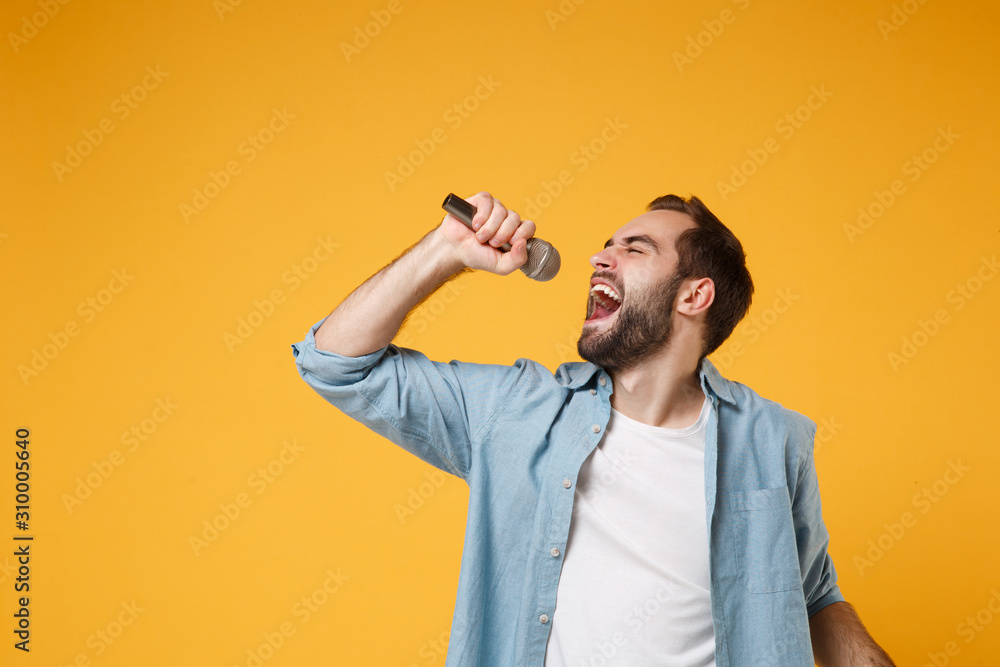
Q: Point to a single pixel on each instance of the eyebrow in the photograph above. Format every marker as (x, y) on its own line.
(628, 240)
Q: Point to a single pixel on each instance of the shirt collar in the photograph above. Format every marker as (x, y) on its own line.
(712, 380)
(579, 374)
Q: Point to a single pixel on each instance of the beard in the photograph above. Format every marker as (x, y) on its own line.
(642, 327)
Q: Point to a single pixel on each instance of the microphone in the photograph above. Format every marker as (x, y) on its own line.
(543, 259)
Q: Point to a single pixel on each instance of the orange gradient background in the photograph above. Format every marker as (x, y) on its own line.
(189, 186)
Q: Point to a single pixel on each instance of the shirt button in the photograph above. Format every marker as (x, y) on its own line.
(596, 428)
(544, 618)
(566, 483)
(554, 552)
(602, 380)
(593, 392)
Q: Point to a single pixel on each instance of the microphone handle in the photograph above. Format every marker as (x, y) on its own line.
(465, 211)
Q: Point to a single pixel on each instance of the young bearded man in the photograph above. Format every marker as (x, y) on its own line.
(633, 509)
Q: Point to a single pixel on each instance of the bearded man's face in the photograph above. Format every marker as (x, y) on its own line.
(630, 328)
(632, 292)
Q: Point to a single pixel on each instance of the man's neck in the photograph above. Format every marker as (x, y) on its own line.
(665, 390)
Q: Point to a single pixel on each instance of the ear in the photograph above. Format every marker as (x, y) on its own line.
(696, 295)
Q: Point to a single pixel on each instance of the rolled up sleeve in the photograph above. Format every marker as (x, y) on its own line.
(819, 577)
(429, 408)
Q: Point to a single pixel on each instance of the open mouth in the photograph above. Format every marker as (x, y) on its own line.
(606, 301)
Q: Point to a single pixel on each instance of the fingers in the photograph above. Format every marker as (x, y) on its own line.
(525, 231)
(483, 201)
(515, 259)
(498, 214)
(495, 224)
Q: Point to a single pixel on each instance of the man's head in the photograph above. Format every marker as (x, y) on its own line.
(676, 257)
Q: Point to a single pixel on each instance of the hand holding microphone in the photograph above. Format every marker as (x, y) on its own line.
(504, 231)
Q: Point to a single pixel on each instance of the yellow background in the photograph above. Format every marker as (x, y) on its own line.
(350, 117)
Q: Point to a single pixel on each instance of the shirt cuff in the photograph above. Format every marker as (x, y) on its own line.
(332, 368)
(831, 596)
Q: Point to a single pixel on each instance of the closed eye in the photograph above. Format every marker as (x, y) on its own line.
(630, 242)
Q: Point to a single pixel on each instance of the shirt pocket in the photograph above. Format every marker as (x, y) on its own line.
(765, 540)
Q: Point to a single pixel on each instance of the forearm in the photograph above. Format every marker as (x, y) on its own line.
(370, 317)
(839, 639)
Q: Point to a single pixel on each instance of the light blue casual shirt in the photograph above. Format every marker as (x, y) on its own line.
(518, 435)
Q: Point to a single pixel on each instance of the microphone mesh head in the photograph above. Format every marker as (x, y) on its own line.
(543, 260)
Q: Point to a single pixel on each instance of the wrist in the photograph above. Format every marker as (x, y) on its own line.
(443, 254)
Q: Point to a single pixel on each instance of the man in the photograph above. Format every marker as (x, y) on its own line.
(637, 508)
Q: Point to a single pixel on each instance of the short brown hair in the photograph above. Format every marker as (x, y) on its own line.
(710, 249)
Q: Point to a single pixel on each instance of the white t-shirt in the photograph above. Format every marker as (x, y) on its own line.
(634, 586)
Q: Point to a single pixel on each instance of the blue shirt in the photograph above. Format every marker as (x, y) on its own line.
(518, 435)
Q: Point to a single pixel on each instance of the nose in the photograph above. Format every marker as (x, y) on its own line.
(605, 259)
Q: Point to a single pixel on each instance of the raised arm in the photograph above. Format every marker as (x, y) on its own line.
(429, 408)
(370, 317)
